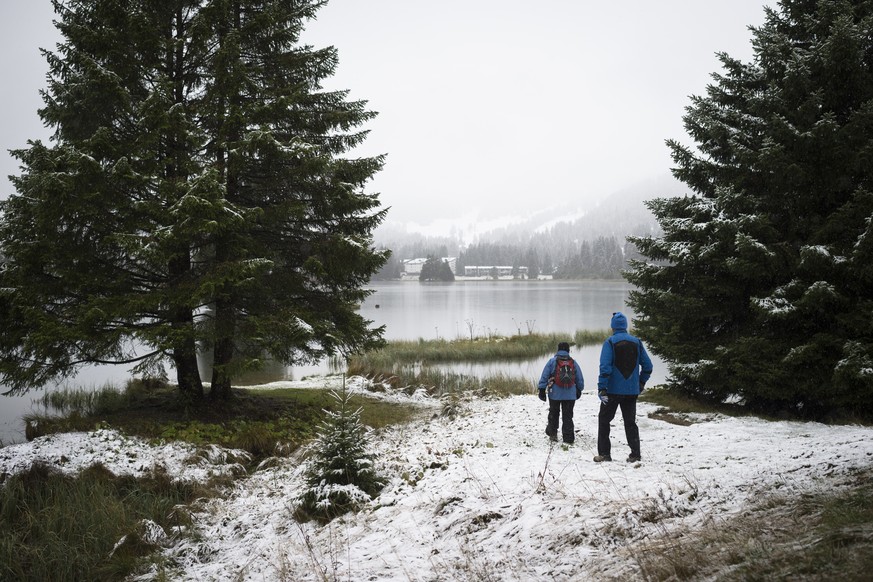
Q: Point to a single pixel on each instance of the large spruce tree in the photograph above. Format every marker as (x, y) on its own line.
(761, 285)
(95, 268)
(289, 282)
(193, 197)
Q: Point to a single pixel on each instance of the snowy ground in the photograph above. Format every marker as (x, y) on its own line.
(484, 496)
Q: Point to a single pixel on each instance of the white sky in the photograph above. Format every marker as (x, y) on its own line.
(487, 108)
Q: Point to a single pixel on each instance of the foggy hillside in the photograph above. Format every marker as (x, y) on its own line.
(561, 224)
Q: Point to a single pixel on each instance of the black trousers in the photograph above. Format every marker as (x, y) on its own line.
(628, 404)
(565, 409)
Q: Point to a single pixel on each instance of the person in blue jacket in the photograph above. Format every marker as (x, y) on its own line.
(562, 380)
(625, 367)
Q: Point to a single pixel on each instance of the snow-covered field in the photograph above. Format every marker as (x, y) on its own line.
(483, 497)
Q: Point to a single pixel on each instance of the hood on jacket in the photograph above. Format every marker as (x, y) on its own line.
(619, 321)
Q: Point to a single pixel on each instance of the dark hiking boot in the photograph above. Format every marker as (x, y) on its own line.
(602, 458)
(553, 438)
(632, 458)
(566, 442)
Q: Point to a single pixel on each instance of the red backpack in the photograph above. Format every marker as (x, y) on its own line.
(565, 372)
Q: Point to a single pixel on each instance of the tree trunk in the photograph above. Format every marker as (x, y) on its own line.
(187, 373)
(223, 351)
(184, 353)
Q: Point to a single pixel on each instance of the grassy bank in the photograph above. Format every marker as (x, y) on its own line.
(435, 382)
(480, 349)
(64, 528)
(408, 365)
(262, 422)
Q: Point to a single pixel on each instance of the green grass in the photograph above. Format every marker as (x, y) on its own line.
(262, 422)
(375, 413)
(57, 527)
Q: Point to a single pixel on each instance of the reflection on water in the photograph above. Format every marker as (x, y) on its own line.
(412, 310)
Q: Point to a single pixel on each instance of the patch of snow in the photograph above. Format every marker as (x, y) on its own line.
(774, 305)
(123, 455)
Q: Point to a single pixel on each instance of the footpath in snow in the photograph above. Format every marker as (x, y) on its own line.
(483, 496)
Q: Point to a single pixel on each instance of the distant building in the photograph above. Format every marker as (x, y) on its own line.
(488, 271)
(412, 267)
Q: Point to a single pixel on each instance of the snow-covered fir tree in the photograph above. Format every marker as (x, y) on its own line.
(340, 476)
(195, 196)
(761, 285)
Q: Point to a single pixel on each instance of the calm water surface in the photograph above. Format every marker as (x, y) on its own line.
(412, 310)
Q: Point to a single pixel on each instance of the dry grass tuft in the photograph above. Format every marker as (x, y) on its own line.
(822, 535)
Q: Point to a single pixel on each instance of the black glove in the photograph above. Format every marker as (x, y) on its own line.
(578, 393)
(543, 394)
(642, 387)
(603, 397)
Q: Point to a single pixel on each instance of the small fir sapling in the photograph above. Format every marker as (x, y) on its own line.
(341, 476)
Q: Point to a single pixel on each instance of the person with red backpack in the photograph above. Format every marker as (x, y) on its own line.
(625, 367)
(562, 380)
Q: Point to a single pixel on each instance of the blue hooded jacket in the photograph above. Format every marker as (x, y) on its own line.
(628, 380)
(556, 392)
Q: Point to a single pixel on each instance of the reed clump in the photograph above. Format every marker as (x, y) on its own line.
(479, 349)
(436, 382)
(587, 337)
(94, 526)
(406, 365)
(95, 401)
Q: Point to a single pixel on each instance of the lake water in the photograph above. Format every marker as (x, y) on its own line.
(12, 408)
(412, 310)
(448, 310)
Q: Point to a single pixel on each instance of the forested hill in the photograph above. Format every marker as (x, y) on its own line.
(566, 238)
